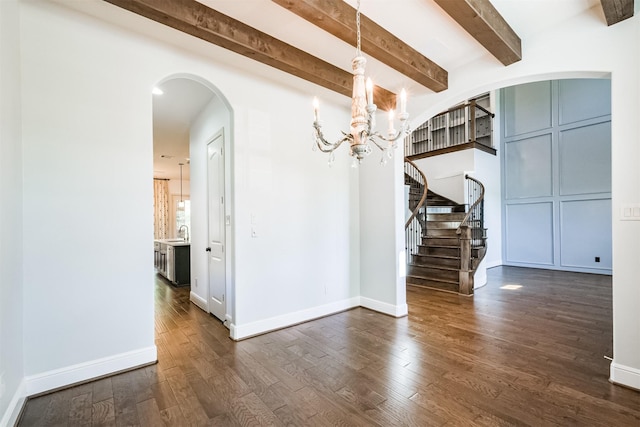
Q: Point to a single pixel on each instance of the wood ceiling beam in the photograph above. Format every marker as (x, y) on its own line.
(482, 21)
(617, 10)
(200, 21)
(339, 19)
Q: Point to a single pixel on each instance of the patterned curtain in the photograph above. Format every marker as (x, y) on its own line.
(160, 208)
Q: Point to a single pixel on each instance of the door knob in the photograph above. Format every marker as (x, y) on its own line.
(208, 249)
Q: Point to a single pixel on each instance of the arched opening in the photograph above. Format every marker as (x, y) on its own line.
(572, 189)
(189, 115)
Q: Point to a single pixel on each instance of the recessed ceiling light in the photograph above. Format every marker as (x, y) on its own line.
(157, 91)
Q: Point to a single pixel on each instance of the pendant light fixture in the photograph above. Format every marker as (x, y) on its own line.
(181, 202)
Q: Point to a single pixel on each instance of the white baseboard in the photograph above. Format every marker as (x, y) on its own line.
(625, 375)
(51, 380)
(383, 307)
(228, 321)
(199, 301)
(239, 332)
(494, 263)
(10, 417)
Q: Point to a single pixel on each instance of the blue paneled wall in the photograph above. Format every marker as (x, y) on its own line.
(556, 154)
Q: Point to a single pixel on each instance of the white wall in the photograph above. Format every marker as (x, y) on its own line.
(11, 225)
(445, 173)
(487, 170)
(584, 47)
(87, 147)
(300, 264)
(382, 246)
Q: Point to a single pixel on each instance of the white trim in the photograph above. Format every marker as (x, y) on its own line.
(228, 321)
(239, 332)
(383, 307)
(12, 413)
(480, 278)
(199, 301)
(85, 371)
(494, 263)
(625, 375)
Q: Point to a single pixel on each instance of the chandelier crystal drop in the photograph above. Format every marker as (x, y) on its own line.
(362, 134)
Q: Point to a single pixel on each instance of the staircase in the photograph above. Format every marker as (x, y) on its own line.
(445, 242)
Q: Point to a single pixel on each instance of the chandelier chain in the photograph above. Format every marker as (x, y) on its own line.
(358, 53)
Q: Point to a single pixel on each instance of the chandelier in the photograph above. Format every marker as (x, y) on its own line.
(362, 134)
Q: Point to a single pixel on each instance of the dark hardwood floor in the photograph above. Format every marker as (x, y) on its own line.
(529, 355)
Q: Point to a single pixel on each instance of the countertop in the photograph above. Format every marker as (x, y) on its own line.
(173, 242)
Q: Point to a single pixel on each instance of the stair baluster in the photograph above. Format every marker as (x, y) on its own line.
(415, 227)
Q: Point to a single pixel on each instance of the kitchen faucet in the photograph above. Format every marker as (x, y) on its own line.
(186, 234)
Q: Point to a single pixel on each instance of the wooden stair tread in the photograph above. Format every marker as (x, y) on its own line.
(434, 266)
(439, 256)
(439, 246)
(435, 279)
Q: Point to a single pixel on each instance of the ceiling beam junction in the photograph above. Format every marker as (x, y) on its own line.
(200, 21)
(482, 21)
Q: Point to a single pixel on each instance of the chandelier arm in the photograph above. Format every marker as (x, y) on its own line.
(373, 138)
(319, 137)
(324, 145)
(394, 138)
(331, 147)
(402, 133)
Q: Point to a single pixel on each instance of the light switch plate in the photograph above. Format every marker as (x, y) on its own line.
(630, 212)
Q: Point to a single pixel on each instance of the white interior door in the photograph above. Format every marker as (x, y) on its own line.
(216, 238)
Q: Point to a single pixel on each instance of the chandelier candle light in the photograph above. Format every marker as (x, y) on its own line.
(362, 133)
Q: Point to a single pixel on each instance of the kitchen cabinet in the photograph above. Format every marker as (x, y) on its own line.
(172, 259)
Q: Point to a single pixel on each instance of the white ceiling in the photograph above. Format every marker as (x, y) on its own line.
(419, 23)
(173, 113)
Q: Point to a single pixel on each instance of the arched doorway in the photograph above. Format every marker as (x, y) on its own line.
(189, 113)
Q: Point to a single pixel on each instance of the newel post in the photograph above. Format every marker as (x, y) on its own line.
(466, 272)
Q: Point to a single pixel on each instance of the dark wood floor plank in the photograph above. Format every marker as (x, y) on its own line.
(80, 410)
(57, 411)
(172, 416)
(163, 395)
(103, 413)
(101, 390)
(208, 397)
(256, 407)
(187, 400)
(531, 356)
(34, 410)
(149, 413)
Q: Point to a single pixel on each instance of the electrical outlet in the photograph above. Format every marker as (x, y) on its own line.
(597, 259)
(196, 282)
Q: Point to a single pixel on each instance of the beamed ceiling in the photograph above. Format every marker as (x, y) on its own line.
(413, 44)
(233, 30)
